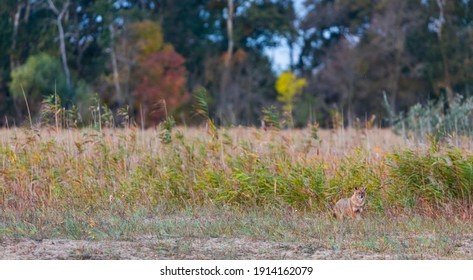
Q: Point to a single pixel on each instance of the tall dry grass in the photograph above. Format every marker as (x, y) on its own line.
(127, 169)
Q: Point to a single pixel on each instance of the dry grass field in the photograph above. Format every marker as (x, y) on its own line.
(245, 193)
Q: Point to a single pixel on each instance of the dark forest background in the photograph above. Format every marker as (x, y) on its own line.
(149, 57)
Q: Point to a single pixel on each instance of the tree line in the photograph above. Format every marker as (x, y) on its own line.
(149, 57)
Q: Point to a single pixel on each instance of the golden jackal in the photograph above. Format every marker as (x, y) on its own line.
(352, 206)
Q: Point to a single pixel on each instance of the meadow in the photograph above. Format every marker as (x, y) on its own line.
(231, 193)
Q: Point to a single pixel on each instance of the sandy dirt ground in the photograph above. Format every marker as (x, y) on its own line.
(193, 248)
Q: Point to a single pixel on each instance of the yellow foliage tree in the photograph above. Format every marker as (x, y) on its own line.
(288, 86)
(147, 37)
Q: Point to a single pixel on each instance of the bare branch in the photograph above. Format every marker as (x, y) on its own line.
(53, 7)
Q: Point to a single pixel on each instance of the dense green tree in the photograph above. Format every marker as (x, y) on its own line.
(442, 46)
(40, 76)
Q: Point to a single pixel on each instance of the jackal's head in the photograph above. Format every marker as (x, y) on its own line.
(360, 194)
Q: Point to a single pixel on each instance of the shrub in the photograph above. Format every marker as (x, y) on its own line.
(434, 119)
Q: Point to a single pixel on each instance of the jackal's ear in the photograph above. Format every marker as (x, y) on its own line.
(364, 189)
(356, 188)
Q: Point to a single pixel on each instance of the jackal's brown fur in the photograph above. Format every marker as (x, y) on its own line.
(352, 206)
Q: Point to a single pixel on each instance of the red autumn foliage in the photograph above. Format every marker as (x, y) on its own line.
(161, 86)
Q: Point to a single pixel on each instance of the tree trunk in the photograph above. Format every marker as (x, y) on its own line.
(225, 109)
(228, 57)
(291, 55)
(62, 40)
(113, 56)
(447, 83)
(16, 23)
(63, 53)
(28, 10)
(394, 78)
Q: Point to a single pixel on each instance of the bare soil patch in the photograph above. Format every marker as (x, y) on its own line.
(196, 248)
